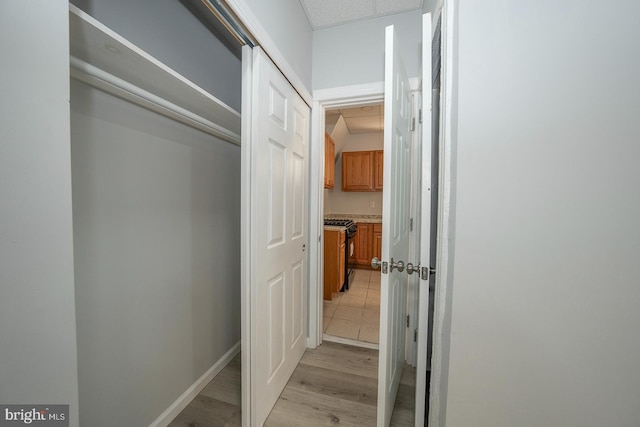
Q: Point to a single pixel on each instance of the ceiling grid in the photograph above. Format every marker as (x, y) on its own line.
(328, 13)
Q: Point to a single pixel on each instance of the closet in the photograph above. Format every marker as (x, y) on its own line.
(155, 163)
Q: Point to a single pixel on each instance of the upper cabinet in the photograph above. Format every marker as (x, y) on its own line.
(362, 171)
(329, 161)
(378, 162)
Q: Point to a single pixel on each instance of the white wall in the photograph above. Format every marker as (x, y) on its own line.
(37, 316)
(353, 53)
(156, 208)
(546, 277)
(352, 202)
(167, 30)
(287, 25)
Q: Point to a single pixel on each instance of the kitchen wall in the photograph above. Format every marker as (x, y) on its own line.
(37, 316)
(353, 53)
(545, 284)
(337, 201)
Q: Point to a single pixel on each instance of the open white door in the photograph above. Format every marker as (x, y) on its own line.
(275, 158)
(395, 227)
(425, 223)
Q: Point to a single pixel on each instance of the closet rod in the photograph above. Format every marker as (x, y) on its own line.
(113, 85)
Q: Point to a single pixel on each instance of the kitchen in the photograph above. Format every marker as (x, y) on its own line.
(353, 224)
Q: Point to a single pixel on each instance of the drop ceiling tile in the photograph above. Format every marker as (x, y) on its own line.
(369, 110)
(326, 13)
(323, 13)
(362, 119)
(386, 7)
(366, 124)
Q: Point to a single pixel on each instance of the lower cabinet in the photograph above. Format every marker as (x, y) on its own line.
(334, 262)
(377, 241)
(367, 244)
(362, 250)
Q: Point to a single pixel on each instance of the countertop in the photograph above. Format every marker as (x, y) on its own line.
(334, 228)
(374, 219)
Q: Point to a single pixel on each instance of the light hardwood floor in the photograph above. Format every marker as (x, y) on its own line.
(335, 384)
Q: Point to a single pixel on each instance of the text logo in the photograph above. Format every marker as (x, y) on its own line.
(34, 415)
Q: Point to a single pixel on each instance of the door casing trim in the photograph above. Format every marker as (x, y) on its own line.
(345, 96)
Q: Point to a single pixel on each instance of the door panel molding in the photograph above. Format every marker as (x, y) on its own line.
(275, 163)
(395, 226)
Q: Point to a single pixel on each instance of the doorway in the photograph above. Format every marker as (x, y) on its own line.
(352, 199)
(373, 94)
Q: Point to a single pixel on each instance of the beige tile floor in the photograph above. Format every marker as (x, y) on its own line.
(355, 314)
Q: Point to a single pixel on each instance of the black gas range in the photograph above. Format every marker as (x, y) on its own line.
(350, 232)
(349, 225)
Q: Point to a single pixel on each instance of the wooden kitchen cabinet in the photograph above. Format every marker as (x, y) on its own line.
(362, 170)
(357, 171)
(342, 265)
(378, 163)
(329, 161)
(362, 245)
(334, 262)
(377, 241)
(367, 244)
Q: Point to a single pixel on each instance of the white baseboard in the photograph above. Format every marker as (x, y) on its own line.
(181, 402)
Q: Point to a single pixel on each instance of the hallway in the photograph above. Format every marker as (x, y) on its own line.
(335, 384)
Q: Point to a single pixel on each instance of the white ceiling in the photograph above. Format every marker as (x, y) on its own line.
(327, 13)
(367, 119)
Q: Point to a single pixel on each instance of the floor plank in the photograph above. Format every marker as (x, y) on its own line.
(204, 411)
(344, 358)
(226, 385)
(404, 408)
(327, 382)
(308, 409)
(334, 384)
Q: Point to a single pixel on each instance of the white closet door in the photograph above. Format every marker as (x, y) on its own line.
(278, 208)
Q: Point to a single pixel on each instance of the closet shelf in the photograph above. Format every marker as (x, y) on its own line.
(109, 62)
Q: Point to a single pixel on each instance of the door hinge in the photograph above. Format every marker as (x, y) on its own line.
(407, 320)
(420, 115)
(415, 335)
(410, 224)
(412, 127)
